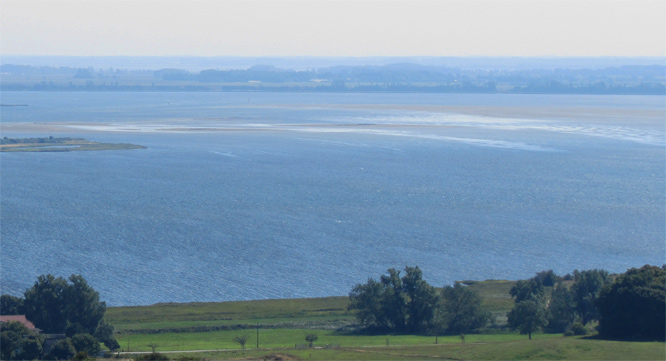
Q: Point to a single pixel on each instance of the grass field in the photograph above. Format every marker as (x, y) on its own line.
(539, 348)
(281, 325)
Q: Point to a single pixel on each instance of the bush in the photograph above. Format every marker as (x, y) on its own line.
(62, 350)
(578, 329)
(189, 358)
(82, 356)
(86, 343)
(155, 356)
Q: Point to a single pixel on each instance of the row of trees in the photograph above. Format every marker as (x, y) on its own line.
(631, 305)
(410, 304)
(59, 306)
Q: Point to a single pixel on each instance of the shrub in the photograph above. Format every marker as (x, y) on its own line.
(578, 329)
(155, 356)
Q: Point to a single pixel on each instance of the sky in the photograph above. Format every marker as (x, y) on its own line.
(333, 28)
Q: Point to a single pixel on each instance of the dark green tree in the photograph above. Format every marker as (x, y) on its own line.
(586, 288)
(547, 278)
(31, 349)
(366, 300)
(45, 304)
(104, 333)
(10, 305)
(634, 305)
(17, 342)
(69, 306)
(394, 300)
(86, 342)
(561, 312)
(394, 303)
(82, 356)
(62, 350)
(531, 289)
(461, 310)
(83, 306)
(422, 300)
(527, 316)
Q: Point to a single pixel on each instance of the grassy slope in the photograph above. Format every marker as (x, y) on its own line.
(177, 315)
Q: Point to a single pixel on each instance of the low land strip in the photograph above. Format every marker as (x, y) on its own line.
(51, 144)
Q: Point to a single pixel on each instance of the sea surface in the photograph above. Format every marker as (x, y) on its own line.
(277, 195)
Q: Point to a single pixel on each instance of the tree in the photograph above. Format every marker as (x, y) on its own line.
(86, 342)
(422, 300)
(104, 333)
(17, 342)
(586, 288)
(394, 303)
(31, 349)
(634, 305)
(366, 300)
(461, 310)
(394, 300)
(241, 340)
(83, 306)
(531, 289)
(10, 305)
(527, 317)
(561, 313)
(69, 306)
(547, 278)
(311, 338)
(153, 346)
(62, 350)
(45, 305)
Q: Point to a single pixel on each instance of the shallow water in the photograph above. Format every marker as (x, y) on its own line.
(248, 196)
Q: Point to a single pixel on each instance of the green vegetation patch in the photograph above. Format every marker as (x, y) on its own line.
(65, 144)
(168, 316)
(489, 347)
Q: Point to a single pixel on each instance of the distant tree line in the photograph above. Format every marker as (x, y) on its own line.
(634, 79)
(56, 306)
(47, 140)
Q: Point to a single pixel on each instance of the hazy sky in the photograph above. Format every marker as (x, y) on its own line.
(342, 28)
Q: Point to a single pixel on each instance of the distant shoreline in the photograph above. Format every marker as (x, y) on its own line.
(52, 144)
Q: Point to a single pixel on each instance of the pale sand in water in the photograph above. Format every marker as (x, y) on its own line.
(639, 118)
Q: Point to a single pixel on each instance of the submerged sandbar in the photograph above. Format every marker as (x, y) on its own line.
(66, 144)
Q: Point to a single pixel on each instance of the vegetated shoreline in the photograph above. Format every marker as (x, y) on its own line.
(66, 144)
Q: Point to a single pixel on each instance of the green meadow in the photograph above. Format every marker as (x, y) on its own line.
(281, 326)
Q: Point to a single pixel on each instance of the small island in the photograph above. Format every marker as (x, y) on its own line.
(65, 144)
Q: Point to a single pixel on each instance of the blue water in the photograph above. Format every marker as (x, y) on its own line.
(252, 196)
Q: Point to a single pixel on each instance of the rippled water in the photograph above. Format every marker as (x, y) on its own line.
(247, 196)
